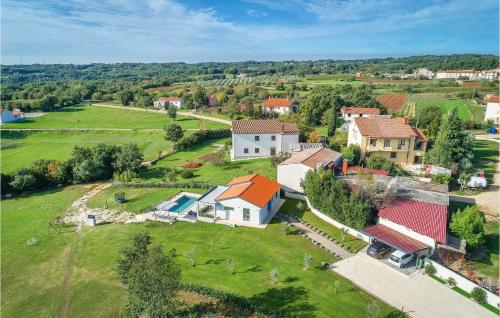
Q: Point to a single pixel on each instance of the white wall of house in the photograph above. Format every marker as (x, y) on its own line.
(257, 215)
(279, 110)
(348, 117)
(353, 135)
(290, 176)
(408, 232)
(165, 105)
(245, 146)
(492, 112)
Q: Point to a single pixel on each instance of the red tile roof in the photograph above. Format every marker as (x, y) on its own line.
(426, 218)
(264, 126)
(420, 135)
(170, 99)
(384, 127)
(360, 110)
(395, 239)
(494, 99)
(254, 188)
(278, 102)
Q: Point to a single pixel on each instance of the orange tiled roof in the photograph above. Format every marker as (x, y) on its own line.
(360, 110)
(420, 135)
(264, 126)
(384, 127)
(278, 102)
(494, 99)
(254, 188)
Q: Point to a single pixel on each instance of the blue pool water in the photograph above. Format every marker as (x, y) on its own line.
(181, 204)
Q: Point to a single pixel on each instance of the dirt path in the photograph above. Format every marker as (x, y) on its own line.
(78, 211)
(67, 277)
(189, 114)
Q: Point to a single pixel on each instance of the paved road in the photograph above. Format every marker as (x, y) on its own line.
(418, 295)
(190, 114)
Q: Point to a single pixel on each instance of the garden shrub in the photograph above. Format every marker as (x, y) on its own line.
(200, 136)
(380, 163)
(441, 178)
(430, 269)
(479, 295)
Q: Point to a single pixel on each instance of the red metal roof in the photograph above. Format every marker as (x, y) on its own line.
(426, 218)
(395, 239)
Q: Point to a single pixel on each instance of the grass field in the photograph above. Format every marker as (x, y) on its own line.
(486, 157)
(100, 117)
(290, 207)
(19, 149)
(208, 173)
(489, 265)
(446, 103)
(72, 274)
(139, 200)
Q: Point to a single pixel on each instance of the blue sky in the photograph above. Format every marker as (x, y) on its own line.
(86, 31)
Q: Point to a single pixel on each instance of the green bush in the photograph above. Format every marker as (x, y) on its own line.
(200, 136)
(430, 269)
(186, 174)
(352, 154)
(468, 224)
(380, 163)
(441, 178)
(479, 295)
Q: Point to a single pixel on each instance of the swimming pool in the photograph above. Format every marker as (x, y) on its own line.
(181, 204)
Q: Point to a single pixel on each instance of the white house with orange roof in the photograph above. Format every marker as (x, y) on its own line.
(279, 105)
(349, 113)
(249, 201)
(258, 138)
(166, 102)
(493, 109)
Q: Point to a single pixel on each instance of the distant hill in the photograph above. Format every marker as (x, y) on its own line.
(135, 72)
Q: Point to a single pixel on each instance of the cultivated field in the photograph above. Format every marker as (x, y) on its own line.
(466, 110)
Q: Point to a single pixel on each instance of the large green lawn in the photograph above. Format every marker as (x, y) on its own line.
(72, 274)
(101, 117)
(208, 173)
(19, 149)
(489, 265)
(446, 103)
(486, 157)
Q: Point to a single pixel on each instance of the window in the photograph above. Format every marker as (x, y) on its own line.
(402, 142)
(228, 209)
(273, 137)
(246, 214)
(387, 142)
(394, 155)
(269, 205)
(245, 150)
(373, 142)
(257, 138)
(418, 145)
(360, 115)
(257, 150)
(348, 115)
(273, 151)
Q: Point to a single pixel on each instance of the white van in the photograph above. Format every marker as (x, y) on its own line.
(400, 259)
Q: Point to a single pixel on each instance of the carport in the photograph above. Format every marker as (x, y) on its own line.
(396, 240)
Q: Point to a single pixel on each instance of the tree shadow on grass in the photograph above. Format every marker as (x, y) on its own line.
(254, 269)
(213, 261)
(291, 300)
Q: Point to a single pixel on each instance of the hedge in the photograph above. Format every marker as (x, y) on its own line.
(193, 185)
(235, 300)
(189, 141)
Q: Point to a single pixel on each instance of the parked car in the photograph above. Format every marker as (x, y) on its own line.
(400, 259)
(475, 182)
(378, 249)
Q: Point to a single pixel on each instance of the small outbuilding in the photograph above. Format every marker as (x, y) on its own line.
(292, 171)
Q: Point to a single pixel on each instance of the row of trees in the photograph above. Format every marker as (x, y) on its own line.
(86, 164)
(334, 198)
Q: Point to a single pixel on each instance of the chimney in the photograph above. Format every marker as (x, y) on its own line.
(407, 121)
(344, 167)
